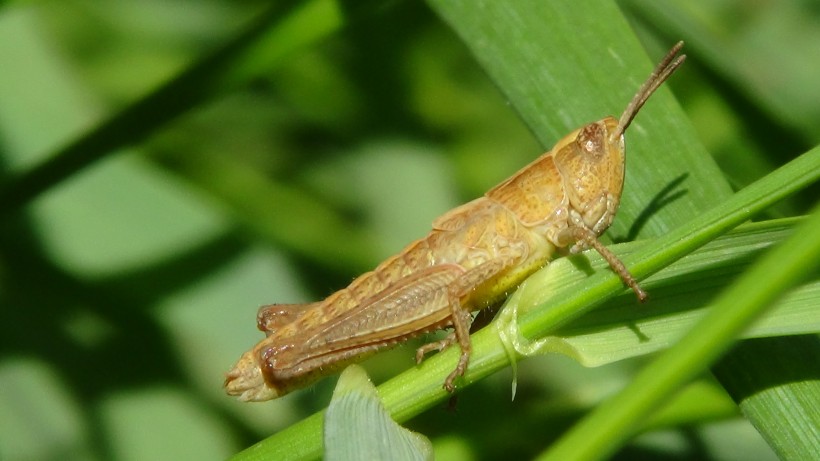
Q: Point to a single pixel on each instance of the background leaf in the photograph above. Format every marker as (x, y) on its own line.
(356, 423)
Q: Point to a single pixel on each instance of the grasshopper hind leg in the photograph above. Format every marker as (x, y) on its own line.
(461, 325)
(275, 316)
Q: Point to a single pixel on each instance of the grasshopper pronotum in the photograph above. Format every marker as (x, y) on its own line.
(475, 254)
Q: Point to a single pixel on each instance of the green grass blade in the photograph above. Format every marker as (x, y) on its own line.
(780, 398)
(613, 422)
(302, 441)
(564, 64)
(308, 223)
(786, 93)
(683, 292)
(279, 31)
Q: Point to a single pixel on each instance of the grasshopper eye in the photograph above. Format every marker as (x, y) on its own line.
(590, 139)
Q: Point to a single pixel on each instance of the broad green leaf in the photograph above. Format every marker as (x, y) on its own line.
(357, 425)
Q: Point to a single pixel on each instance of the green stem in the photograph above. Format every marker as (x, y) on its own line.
(613, 422)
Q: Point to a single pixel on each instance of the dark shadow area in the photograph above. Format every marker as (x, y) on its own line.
(664, 197)
(39, 301)
(741, 373)
(148, 285)
(695, 449)
(507, 433)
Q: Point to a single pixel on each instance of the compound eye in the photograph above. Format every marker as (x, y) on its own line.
(590, 139)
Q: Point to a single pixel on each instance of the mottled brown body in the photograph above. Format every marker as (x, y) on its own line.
(475, 254)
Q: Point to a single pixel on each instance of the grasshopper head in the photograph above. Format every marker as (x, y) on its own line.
(578, 183)
(591, 164)
(591, 159)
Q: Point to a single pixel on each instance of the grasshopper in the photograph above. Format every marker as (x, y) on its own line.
(474, 256)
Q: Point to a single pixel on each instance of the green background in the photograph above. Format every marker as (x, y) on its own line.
(278, 168)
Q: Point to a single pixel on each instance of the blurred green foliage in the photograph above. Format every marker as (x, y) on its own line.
(128, 288)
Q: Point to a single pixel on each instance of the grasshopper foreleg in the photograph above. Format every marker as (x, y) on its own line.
(586, 238)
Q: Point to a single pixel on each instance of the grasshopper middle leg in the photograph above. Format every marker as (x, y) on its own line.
(461, 317)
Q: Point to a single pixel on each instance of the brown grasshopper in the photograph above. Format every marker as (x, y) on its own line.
(473, 257)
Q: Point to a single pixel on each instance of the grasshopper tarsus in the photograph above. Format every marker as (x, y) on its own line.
(448, 382)
(458, 371)
(474, 256)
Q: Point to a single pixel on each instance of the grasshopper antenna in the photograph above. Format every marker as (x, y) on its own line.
(658, 76)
